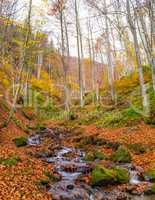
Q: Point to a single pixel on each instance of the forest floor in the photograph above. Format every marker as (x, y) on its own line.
(19, 181)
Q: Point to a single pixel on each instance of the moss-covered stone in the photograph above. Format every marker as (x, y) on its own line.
(150, 190)
(20, 142)
(121, 155)
(153, 188)
(122, 174)
(150, 174)
(138, 148)
(101, 156)
(52, 177)
(102, 176)
(91, 156)
(42, 182)
(10, 161)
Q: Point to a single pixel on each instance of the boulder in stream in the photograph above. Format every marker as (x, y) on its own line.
(102, 176)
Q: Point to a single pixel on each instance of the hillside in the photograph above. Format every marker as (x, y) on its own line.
(77, 100)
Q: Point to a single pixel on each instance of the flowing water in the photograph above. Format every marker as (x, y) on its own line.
(69, 163)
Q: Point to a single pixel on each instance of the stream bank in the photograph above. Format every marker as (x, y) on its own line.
(69, 163)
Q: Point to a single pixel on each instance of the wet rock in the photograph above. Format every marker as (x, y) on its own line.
(122, 155)
(34, 140)
(115, 195)
(133, 190)
(70, 187)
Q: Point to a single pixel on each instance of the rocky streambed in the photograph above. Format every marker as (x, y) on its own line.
(73, 169)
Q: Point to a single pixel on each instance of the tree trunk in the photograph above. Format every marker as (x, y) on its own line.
(63, 61)
(138, 59)
(79, 56)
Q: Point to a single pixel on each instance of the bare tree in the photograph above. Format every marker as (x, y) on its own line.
(22, 63)
(79, 54)
(138, 58)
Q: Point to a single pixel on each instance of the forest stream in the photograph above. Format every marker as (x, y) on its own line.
(68, 162)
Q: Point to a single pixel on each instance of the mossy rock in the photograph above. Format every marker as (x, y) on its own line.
(92, 140)
(150, 175)
(102, 176)
(10, 161)
(122, 155)
(42, 182)
(20, 142)
(150, 190)
(52, 177)
(138, 148)
(40, 127)
(122, 174)
(91, 156)
(112, 145)
(101, 156)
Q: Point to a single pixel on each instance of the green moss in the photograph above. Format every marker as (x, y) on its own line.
(150, 174)
(101, 176)
(51, 176)
(40, 127)
(121, 155)
(137, 148)
(20, 142)
(101, 156)
(122, 174)
(10, 161)
(91, 156)
(42, 182)
(150, 190)
(153, 188)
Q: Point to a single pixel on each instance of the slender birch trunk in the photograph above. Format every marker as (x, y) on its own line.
(109, 57)
(63, 59)
(23, 59)
(145, 101)
(79, 56)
